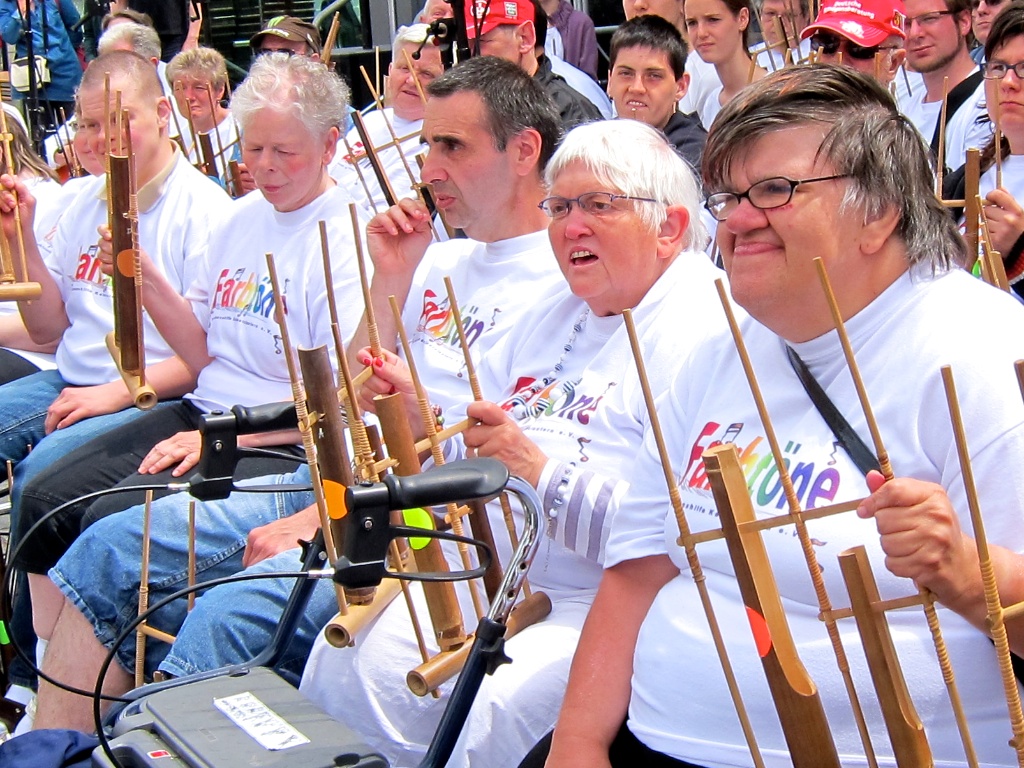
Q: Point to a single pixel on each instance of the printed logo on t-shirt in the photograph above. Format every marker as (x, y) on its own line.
(245, 293)
(559, 399)
(815, 477)
(437, 321)
(90, 268)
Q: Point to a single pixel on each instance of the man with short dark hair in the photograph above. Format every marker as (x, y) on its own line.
(937, 46)
(508, 30)
(646, 80)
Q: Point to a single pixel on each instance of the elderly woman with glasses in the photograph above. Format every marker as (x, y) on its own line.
(565, 413)
(1002, 181)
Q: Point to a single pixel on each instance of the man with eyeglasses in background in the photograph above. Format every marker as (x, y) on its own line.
(866, 35)
(937, 47)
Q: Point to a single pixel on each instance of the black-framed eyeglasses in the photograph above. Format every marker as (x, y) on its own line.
(996, 70)
(764, 195)
(830, 44)
(927, 19)
(594, 203)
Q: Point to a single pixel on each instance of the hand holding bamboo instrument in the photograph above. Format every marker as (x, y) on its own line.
(11, 287)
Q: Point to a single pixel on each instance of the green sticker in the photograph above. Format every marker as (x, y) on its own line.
(4, 639)
(418, 518)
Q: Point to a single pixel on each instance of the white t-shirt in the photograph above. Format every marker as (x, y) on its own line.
(233, 299)
(900, 341)
(174, 230)
(589, 415)
(494, 283)
(52, 200)
(967, 128)
(343, 166)
(703, 80)
(711, 107)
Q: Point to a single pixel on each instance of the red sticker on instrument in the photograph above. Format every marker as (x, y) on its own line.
(762, 635)
(158, 753)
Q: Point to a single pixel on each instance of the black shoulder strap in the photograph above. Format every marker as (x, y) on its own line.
(846, 436)
(954, 101)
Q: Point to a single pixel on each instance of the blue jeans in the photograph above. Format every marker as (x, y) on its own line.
(112, 547)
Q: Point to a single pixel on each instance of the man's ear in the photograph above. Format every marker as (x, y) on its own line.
(524, 149)
(878, 231)
(672, 234)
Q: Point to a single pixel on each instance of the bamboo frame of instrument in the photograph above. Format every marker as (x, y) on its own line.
(993, 268)
(415, 76)
(302, 414)
(806, 546)
(70, 154)
(906, 732)
(371, 154)
(996, 618)
(414, 183)
(686, 541)
(125, 343)
(479, 523)
(794, 693)
(972, 211)
(11, 288)
(327, 52)
(140, 634)
(434, 444)
(927, 601)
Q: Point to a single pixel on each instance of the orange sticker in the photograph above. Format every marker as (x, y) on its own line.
(762, 635)
(334, 495)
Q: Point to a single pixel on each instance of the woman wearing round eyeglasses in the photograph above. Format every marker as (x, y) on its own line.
(719, 33)
(1004, 95)
(565, 414)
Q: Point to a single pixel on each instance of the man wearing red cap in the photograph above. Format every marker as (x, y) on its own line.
(866, 35)
(937, 32)
(506, 29)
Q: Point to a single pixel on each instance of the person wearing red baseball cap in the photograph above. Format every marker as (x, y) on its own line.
(509, 29)
(866, 35)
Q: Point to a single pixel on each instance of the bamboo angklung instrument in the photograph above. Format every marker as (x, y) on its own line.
(996, 614)
(927, 600)
(371, 155)
(125, 342)
(144, 630)
(906, 732)
(359, 173)
(479, 523)
(685, 541)
(341, 630)
(972, 208)
(69, 146)
(806, 545)
(415, 76)
(993, 270)
(220, 141)
(14, 287)
(421, 190)
(794, 693)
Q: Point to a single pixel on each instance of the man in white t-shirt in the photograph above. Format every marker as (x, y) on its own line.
(780, 158)
(86, 395)
(404, 103)
(937, 33)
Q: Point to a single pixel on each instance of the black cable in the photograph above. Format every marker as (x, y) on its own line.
(97, 694)
(12, 570)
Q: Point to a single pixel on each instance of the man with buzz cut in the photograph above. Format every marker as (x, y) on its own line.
(53, 412)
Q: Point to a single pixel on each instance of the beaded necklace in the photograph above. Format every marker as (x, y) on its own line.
(521, 406)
